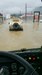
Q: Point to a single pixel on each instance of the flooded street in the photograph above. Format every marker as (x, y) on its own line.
(30, 37)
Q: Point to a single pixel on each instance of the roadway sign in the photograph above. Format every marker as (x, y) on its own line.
(36, 16)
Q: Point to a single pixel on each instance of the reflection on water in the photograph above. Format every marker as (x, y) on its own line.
(30, 37)
(36, 25)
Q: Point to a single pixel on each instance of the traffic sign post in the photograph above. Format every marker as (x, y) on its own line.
(36, 16)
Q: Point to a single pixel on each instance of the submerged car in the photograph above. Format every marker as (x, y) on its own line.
(15, 27)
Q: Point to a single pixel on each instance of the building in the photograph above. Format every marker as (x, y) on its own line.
(1, 18)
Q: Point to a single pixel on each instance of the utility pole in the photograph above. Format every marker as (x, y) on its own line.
(20, 13)
(26, 11)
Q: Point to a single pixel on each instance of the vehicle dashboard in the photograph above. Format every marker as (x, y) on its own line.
(13, 67)
(33, 56)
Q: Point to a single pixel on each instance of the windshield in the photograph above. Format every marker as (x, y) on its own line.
(27, 14)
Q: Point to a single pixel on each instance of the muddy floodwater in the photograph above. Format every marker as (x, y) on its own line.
(30, 37)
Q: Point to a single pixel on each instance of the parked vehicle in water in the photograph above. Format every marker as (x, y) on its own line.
(15, 27)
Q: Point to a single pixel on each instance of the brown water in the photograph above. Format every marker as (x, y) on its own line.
(30, 37)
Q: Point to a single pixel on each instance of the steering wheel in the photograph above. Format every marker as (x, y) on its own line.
(29, 70)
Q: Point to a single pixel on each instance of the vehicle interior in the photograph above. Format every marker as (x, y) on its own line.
(21, 51)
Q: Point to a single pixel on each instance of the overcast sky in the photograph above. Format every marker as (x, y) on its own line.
(18, 5)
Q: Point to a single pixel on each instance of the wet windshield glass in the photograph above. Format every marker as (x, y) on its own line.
(27, 14)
